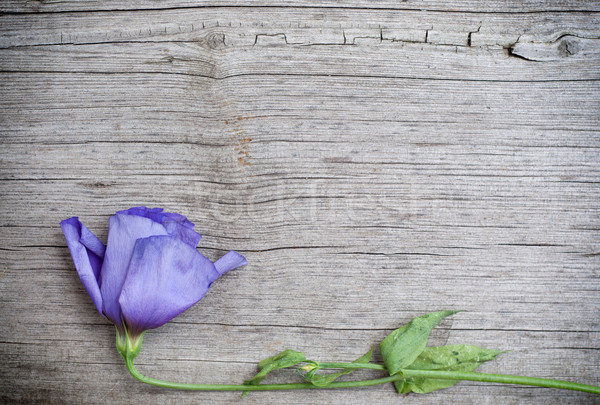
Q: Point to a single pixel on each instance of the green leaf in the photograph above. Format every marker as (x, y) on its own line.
(402, 347)
(286, 358)
(445, 358)
(322, 380)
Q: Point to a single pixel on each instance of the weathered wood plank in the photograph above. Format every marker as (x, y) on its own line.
(408, 158)
(400, 61)
(222, 27)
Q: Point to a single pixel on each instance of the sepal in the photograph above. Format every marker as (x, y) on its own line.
(134, 344)
(121, 342)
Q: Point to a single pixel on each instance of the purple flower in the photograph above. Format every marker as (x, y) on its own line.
(150, 270)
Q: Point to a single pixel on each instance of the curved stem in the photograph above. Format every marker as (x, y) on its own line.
(501, 379)
(403, 374)
(263, 387)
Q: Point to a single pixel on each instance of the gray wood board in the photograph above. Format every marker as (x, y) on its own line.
(372, 162)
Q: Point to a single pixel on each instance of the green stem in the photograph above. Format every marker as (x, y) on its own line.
(263, 387)
(501, 379)
(433, 374)
(482, 377)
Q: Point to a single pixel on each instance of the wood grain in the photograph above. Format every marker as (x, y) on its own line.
(372, 162)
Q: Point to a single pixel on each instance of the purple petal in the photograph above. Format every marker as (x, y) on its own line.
(165, 277)
(175, 224)
(157, 215)
(123, 232)
(87, 252)
(230, 261)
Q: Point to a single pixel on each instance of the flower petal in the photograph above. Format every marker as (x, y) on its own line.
(230, 261)
(87, 252)
(157, 215)
(175, 224)
(123, 231)
(165, 277)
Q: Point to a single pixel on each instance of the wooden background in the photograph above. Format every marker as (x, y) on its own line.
(373, 162)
